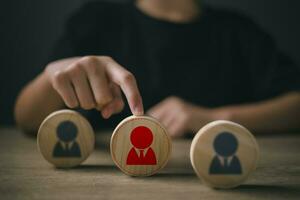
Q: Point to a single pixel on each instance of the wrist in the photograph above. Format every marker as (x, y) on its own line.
(200, 117)
(48, 87)
(221, 114)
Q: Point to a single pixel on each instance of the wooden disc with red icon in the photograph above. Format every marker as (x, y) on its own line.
(140, 146)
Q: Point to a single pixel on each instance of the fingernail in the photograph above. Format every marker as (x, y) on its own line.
(106, 113)
(138, 110)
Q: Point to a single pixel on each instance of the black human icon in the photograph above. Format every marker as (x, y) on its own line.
(225, 145)
(66, 146)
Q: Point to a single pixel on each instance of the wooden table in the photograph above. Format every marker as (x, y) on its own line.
(24, 174)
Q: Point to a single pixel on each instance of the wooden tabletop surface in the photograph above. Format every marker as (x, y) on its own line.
(24, 174)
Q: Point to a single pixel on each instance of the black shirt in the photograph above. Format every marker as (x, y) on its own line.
(219, 59)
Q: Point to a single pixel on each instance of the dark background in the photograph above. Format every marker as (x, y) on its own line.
(29, 28)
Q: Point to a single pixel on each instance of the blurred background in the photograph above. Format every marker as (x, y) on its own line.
(29, 29)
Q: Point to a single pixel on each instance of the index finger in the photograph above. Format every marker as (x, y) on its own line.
(127, 82)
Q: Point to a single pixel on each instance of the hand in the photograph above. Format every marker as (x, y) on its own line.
(95, 82)
(180, 117)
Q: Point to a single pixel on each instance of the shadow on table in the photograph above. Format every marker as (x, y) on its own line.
(177, 175)
(92, 168)
(267, 190)
(102, 146)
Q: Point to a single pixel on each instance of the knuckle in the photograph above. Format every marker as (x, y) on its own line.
(89, 60)
(106, 61)
(177, 100)
(75, 70)
(127, 78)
(174, 100)
(106, 58)
(59, 78)
(94, 69)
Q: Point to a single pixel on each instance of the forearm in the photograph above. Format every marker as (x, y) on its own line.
(275, 115)
(35, 102)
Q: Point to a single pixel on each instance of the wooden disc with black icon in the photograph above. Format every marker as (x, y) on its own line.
(65, 139)
(223, 154)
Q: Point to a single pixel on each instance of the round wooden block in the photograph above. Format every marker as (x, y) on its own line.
(140, 146)
(65, 138)
(223, 154)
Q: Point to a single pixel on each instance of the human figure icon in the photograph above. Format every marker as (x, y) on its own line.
(66, 146)
(141, 153)
(225, 161)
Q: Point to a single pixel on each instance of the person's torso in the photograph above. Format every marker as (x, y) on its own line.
(199, 62)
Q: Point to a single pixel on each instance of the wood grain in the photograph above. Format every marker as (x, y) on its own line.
(25, 175)
(203, 153)
(48, 139)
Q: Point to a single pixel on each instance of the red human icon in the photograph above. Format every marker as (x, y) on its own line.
(141, 138)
